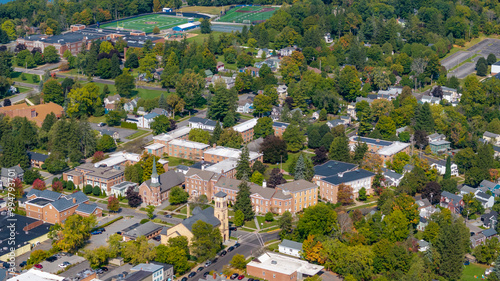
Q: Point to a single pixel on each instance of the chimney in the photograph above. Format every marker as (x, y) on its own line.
(74, 200)
(202, 167)
(264, 183)
(188, 211)
(214, 145)
(377, 140)
(33, 113)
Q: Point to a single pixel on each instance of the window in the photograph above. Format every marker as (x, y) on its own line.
(274, 275)
(264, 273)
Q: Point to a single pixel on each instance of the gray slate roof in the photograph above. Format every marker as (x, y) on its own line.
(17, 170)
(333, 167)
(349, 176)
(206, 215)
(87, 208)
(47, 194)
(391, 174)
(489, 232)
(37, 156)
(143, 230)
(203, 121)
(291, 244)
(80, 197)
(168, 180)
(488, 184)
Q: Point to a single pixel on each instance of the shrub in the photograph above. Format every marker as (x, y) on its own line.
(87, 189)
(128, 125)
(96, 191)
(143, 221)
(70, 185)
(269, 216)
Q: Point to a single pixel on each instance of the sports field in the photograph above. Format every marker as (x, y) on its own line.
(146, 23)
(252, 14)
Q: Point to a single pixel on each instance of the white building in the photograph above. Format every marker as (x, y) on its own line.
(202, 123)
(146, 120)
(36, 275)
(121, 188)
(291, 248)
(495, 68)
(492, 138)
(119, 158)
(440, 166)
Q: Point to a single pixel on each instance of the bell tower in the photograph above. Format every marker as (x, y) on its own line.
(221, 213)
(155, 184)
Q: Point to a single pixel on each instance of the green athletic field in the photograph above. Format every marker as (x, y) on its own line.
(250, 13)
(146, 23)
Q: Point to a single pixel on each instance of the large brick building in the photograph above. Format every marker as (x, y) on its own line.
(385, 149)
(156, 190)
(246, 129)
(200, 182)
(277, 267)
(356, 179)
(304, 194)
(89, 174)
(36, 113)
(53, 207)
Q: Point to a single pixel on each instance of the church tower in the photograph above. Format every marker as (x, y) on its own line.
(221, 213)
(155, 185)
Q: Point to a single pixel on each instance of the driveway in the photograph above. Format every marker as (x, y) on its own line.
(53, 267)
(124, 133)
(101, 239)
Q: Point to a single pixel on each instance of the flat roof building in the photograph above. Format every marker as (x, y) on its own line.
(272, 266)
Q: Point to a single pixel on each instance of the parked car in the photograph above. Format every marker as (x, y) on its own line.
(119, 232)
(99, 271)
(192, 274)
(223, 253)
(64, 264)
(205, 274)
(168, 216)
(237, 245)
(51, 259)
(102, 229)
(157, 238)
(184, 279)
(95, 232)
(230, 249)
(39, 266)
(102, 124)
(233, 276)
(105, 269)
(208, 263)
(6, 265)
(241, 277)
(215, 260)
(23, 264)
(200, 268)
(233, 228)
(251, 279)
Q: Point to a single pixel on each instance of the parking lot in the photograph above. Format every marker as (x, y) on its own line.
(53, 267)
(100, 239)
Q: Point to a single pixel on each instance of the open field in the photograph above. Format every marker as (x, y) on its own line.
(16, 76)
(146, 23)
(473, 272)
(248, 13)
(200, 38)
(213, 10)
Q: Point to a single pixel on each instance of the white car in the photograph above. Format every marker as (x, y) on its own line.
(64, 264)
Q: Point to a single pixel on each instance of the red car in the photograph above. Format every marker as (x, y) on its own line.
(39, 266)
(241, 277)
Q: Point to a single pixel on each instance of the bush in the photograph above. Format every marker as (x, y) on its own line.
(69, 185)
(128, 125)
(23, 77)
(87, 189)
(269, 216)
(96, 191)
(44, 167)
(143, 221)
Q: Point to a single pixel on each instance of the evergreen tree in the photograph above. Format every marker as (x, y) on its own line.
(423, 119)
(359, 152)
(339, 150)
(300, 169)
(447, 173)
(263, 128)
(313, 139)
(14, 152)
(162, 102)
(243, 202)
(49, 121)
(115, 66)
(243, 170)
(451, 245)
(497, 267)
(216, 134)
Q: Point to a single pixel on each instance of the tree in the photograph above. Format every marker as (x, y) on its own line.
(317, 220)
(113, 204)
(189, 87)
(345, 195)
(14, 152)
(258, 166)
(73, 234)
(150, 211)
(359, 152)
(243, 170)
(216, 133)
(132, 61)
(161, 124)
(88, 189)
(262, 104)
(320, 156)
(97, 257)
(451, 246)
(175, 256)
(238, 261)
(83, 100)
(180, 242)
(481, 66)
(239, 218)
(423, 119)
(104, 68)
(98, 156)
(274, 149)
(300, 168)
(230, 138)
(294, 138)
(243, 202)
(263, 128)
(31, 175)
(447, 173)
(362, 194)
(432, 192)
(138, 251)
(39, 184)
(491, 59)
(269, 217)
(133, 197)
(124, 83)
(386, 127)
(206, 26)
(339, 150)
(285, 223)
(106, 143)
(257, 178)
(115, 69)
(276, 178)
(348, 84)
(114, 118)
(50, 54)
(178, 196)
(96, 191)
(206, 241)
(449, 185)
(53, 92)
(156, 30)
(7, 102)
(421, 139)
(199, 135)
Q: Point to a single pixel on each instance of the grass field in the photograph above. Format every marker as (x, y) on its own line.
(200, 38)
(146, 23)
(473, 270)
(16, 76)
(137, 134)
(250, 13)
(143, 93)
(214, 10)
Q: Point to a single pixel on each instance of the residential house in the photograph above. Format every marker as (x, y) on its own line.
(160, 111)
(148, 230)
(279, 128)
(268, 53)
(120, 189)
(390, 94)
(486, 200)
(351, 111)
(36, 113)
(400, 130)
(220, 66)
(315, 114)
(491, 138)
(202, 123)
(208, 73)
(37, 159)
(286, 52)
(422, 224)
(477, 239)
(441, 146)
(429, 99)
(436, 137)
(200, 182)
(356, 179)
(346, 119)
(89, 174)
(450, 94)
(110, 102)
(489, 233)
(273, 266)
(246, 129)
(53, 207)
(452, 202)
(245, 106)
(490, 220)
(391, 178)
(112, 133)
(423, 246)
(144, 77)
(146, 120)
(282, 91)
(328, 38)
(276, 113)
(8, 175)
(216, 216)
(156, 190)
(368, 99)
(425, 208)
(254, 71)
(141, 111)
(486, 185)
(225, 80)
(440, 166)
(336, 122)
(465, 189)
(157, 74)
(131, 105)
(407, 168)
(290, 247)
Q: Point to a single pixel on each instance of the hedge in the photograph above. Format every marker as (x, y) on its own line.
(108, 223)
(128, 125)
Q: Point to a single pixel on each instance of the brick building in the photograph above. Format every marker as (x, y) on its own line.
(385, 149)
(246, 129)
(187, 149)
(332, 168)
(279, 128)
(36, 113)
(88, 173)
(54, 207)
(304, 194)
(277, 267)
(356, 179)
(156, 190)
(200, 182)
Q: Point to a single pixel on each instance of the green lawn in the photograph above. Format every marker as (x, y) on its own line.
(250, 224)
(264, 224)
(473, 270)
(24, 89)
(174, 161)
(96, 120)
(147, 23)
(180, 216)
(137, 134)
(250, 13)
(143, 93)
(200, 38)
(291, 156)
(16, 76)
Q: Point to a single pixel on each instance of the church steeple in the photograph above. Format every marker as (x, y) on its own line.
(154, 175)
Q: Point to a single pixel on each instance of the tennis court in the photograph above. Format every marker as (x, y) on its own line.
(146, 23)
(248, 14)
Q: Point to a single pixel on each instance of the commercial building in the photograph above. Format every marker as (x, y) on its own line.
(36, 275)
(158, 271)
(36, 113)
(355, 179)
(148, 230)
(332, 168)
(89, 174)
(277, 267)
(120, 158)
(186, 26)
(246, 129)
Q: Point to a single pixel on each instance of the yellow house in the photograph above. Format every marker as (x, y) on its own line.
(216, 216)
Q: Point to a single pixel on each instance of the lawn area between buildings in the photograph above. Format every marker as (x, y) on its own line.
(137, 134)
(473, 272)
(264, 224)
(16, 77)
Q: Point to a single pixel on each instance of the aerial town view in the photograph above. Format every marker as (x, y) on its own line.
(196, 140)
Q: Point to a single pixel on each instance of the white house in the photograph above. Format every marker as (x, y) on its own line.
(430, 100)
(423, 246)
(202, 123)
(146, 120)
(315, 114)
(391, 178)
(121, 188)
(111, 101)
(486, 200)
(495, 68)
(492, 138)
(436, 137)
(285, 52)
(440, 166)
(131, 105)
(328, 38)
(265, 50)
(282, 91)
(291, 248)
(450, 94)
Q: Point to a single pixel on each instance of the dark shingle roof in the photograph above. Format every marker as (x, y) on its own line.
(79, 196)
(87, 208)
(206, 215)
(203, 121)
(17, 170)
(332, 167)
(349, 176)
(489, 232)
(37, 156)
(168, 180)
(47, 194)
(451, 196)
(63, 204)
(143, 230)
(291, 244)
(391, 174)
(220, 194)
(280, 124)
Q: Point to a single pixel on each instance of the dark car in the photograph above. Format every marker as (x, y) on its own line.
(119, 232)
(168, 216)
(241, 277)
(6, 265)
(102, 229)
(200, 268)
(23, 264)
(157, 238)
(51, 259)
(230, 249)
(223, 253)
(251, 279)
(95, 232)
(192, 274)
(205, 274)
(233, 276)
(215, 260)
(184, 279)
(237, 245)
(233, 228)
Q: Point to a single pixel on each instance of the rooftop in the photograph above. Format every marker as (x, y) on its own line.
(284, 264)
(231, 152)
(440, 142)
(333, 167)
(245, 126)
(143, 230)
(394, 148)
(371, 141)
(154, 146)
(87, 208)
(189, 144)
(349, 176)
(36, 275)
(37, 156)
(223, 166)
(118, 158)
(203, 121)
(175, 134)
(168, 180)
(24, 237)
(391, 174)
(206, 215)
(298, 185)
(124, 185)
(100, 172)
(291, 244)
(150, 267)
